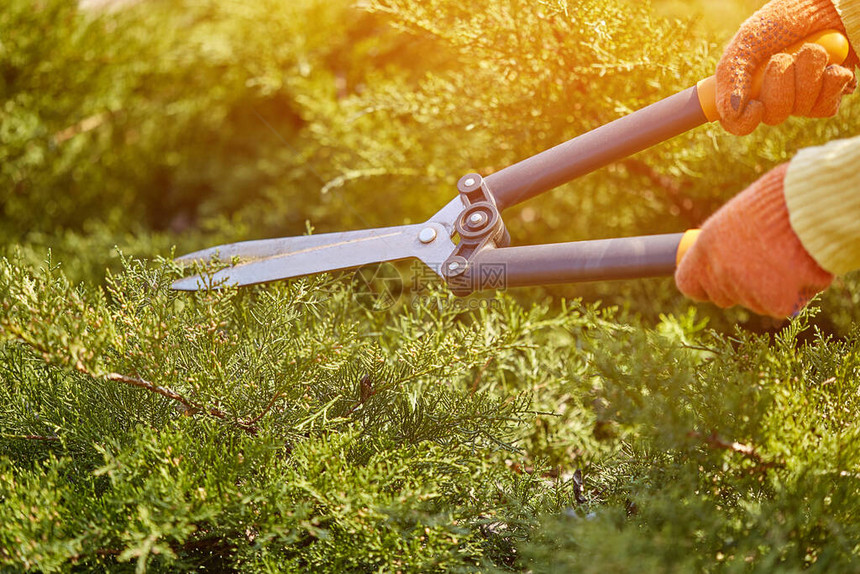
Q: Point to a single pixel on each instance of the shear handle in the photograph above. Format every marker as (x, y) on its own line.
(626, 136)
(589, 152)
(576, 262)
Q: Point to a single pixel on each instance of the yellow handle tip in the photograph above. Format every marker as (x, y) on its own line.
(707, 91)
(833, 41)
(686, 244)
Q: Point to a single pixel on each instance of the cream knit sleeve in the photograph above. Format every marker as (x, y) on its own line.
(822, 192)
(849, 10)
(822, 187)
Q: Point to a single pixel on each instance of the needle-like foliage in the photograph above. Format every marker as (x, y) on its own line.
(287, 427)
(313, 425)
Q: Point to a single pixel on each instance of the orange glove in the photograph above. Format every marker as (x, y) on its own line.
(749, 255)
(801, 85)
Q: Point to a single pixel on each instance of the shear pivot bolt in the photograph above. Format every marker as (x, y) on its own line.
(427, 235)
(456, 267)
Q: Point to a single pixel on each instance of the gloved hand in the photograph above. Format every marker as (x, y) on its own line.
(801, 85)
(749, 255)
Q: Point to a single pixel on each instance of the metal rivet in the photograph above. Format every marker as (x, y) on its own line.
(477, 218)
(456, 267)
(427, 235)
(470, 182)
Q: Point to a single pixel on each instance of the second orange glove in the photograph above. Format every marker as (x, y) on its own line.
(801, 85)
(749, 255)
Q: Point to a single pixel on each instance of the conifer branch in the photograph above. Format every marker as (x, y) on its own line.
(480, 375)
(672, 188)
(22, 336)
(266, 410)
(191, 408)
(715, 442)
(31, 437)
(366, 390)
(412, 377)
(157, 389)
(85, 125)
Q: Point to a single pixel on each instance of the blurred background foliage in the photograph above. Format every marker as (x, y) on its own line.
(196, 122)
(168, 126)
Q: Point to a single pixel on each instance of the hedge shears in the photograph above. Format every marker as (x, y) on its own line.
(483, 257)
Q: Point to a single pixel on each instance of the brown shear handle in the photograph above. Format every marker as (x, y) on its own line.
(575, 262)
(608, 259)
(833, 41)
(625, 136)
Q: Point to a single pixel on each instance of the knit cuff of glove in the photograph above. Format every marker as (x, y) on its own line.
(849, 11)
(749, 255)
(822, 193)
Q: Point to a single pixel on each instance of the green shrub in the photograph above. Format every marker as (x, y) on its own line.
(287, 427)
(290, 427)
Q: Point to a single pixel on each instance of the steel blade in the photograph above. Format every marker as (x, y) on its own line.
(273, 259)
(248, 251)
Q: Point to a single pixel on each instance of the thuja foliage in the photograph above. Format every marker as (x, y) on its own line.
(264, 429)
(782, 498)
(290, 427)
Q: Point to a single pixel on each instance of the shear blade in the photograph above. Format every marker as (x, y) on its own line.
(273, 259)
